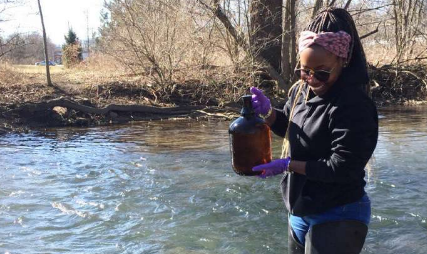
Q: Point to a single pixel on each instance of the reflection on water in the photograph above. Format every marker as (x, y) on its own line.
(168, 187)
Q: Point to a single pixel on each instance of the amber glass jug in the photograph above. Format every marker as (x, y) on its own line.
(250, 140)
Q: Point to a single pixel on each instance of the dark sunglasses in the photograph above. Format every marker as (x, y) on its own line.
(320, 75)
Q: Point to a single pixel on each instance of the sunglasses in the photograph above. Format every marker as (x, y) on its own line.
(320, 75)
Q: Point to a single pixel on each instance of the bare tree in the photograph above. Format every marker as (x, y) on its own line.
(9, 44)
(266, 27)
(318, 4)
(24, 48)
(240, 38)
(289, 42)
(151, 36)
(46, 56)
(408, 26)
(164, 37)
(6, 4)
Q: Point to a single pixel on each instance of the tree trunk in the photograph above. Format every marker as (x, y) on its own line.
(266, 26)
(286, 45)
(293, 34)
(289, 48)
(46, 56)
(317, 6)
(240, 39)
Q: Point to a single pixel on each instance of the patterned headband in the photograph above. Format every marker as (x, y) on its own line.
(337, 43)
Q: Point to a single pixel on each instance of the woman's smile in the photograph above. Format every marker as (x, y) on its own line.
(317, 58)
(316, 86)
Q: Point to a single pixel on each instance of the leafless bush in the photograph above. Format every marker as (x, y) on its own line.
(176, 41)
(71, 55)
(153, 36)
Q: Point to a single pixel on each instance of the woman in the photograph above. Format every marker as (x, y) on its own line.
(330, 128)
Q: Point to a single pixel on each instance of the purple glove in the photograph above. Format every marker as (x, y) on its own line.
(260, 102)
(273, 168)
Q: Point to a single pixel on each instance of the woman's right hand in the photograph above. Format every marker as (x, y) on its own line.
(260, 103)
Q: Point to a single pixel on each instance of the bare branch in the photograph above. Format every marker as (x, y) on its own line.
(357, 12)
(370, 33)
(347, 4)
(219, 13)
(332, 3)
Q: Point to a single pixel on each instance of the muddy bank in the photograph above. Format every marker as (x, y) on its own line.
(30, 105)
(399, 85)
(66, 112)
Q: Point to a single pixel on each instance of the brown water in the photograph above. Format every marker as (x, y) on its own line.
(250, 149)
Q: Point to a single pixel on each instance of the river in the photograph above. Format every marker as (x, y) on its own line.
(168, 187)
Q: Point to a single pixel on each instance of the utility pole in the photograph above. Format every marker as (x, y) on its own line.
(46, 56)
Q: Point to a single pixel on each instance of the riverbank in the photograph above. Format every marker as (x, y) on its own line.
(399, 85)
(102, 96)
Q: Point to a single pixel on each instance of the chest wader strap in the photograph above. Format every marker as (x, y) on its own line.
(337, 237)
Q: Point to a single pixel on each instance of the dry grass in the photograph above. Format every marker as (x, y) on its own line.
(95, 70)
(33, 69)
(27, 83)
(9, 75)
(104, 82)
(381, 53)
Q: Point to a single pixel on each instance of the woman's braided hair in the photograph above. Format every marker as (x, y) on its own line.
(336, 19)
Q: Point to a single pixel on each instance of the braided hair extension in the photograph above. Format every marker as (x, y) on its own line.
(332, 19)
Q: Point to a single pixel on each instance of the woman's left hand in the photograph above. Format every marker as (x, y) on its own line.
(272, 168)
(261, 104)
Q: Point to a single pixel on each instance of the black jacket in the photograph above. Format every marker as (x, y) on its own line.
(336, 135)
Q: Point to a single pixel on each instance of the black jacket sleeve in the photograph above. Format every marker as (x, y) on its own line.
(354, 134)
(280, 126)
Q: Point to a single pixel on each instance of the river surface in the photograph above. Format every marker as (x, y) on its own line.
(168, 187)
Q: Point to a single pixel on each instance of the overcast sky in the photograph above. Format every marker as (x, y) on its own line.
(58, 15)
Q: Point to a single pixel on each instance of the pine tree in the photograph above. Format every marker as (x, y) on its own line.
(72, 50)
(71, 38)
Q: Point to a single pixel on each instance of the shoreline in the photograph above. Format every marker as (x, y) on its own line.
(19, 118)
(88, 97)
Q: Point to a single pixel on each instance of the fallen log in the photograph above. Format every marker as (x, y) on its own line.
(62, 102)
(66, 112)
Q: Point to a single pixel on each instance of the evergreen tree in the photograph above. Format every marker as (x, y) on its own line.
(72, 49)
(71, 38)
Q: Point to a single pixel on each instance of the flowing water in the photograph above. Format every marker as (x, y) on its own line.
(168, 187)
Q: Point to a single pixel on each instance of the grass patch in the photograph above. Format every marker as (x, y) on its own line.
(35, 69)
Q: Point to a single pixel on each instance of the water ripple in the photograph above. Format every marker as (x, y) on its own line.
(168, 187)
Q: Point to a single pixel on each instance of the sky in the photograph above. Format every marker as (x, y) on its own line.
(58, 16)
